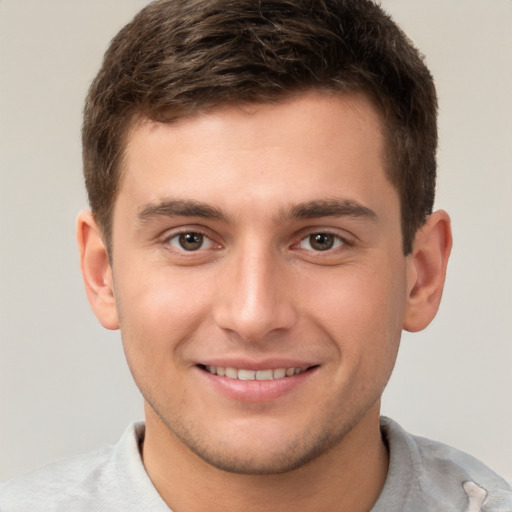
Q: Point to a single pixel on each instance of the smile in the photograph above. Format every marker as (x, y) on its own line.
(241, 374)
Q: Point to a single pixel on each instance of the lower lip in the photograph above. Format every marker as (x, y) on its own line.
(256, 390)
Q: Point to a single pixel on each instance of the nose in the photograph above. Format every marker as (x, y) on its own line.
(254, 297)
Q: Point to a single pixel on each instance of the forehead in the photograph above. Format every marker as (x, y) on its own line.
(313, 146)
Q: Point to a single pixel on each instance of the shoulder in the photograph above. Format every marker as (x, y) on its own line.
(108, 479)
(55, 486)
(441, 474)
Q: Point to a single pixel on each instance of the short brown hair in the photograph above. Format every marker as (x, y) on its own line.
(180, 56)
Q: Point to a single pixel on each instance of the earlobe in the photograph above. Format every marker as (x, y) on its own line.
(427, 271)
(96, 270)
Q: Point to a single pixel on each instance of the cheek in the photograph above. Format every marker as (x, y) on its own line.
(161, 296)
(361, 310)
(157, 311)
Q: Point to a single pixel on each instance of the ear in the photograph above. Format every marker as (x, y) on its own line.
(426, 271)
(96, 270)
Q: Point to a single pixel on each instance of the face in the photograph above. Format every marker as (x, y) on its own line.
(259, 277)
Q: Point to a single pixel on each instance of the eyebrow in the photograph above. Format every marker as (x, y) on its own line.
(302, 211)
(179, 208)
(331, 208)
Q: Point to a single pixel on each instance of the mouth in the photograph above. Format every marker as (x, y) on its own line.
(256, 382)
(261, 375)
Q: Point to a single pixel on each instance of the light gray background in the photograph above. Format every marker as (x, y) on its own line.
(64, 386)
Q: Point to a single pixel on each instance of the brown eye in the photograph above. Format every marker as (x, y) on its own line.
(190, 241)
(321, 242)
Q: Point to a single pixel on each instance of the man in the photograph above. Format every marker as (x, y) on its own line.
(261, 178)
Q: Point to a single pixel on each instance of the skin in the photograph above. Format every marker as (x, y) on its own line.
(256, 292)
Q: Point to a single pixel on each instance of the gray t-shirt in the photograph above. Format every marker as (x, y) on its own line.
(423, 476)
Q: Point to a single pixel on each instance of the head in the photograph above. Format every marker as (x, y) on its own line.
(177, 58)
(261, 176)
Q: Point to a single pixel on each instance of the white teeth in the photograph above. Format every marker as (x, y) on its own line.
(246, 375)
(242, 374)
(231, 373)
(264, 375)
(279, 373)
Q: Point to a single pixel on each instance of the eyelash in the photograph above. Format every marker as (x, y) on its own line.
(337, 241)
(176, 236)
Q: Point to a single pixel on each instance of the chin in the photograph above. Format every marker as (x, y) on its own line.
(258, 454)
(240, 462)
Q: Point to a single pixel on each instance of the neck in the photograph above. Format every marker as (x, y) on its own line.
(348, 477)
